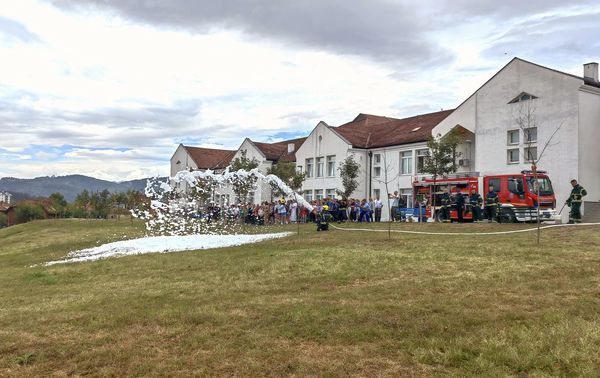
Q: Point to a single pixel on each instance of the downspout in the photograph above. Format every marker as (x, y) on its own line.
(370, 174)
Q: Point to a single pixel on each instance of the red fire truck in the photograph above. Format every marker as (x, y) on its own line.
(517, 193)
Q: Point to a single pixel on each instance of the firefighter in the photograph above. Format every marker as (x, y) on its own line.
(445, 202)
(574, 202)
(475, 203)
(459, 203)
(491, 204)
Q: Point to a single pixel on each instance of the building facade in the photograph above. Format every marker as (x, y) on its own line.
(524, 113)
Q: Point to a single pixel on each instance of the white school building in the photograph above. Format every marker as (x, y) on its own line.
(494, 141)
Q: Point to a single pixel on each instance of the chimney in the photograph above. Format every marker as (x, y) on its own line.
(291, 146)
(590, 71)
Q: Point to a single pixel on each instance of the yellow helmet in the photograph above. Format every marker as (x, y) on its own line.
(325, 207)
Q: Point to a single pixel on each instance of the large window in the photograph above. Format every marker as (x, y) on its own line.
(308, 195)
(512, 156)
(318, 194)
(320, 167)
(331, 166)
(531, 154)
(309, 167)
(376, 171)
(513, 137)
(406, 162)
(530, 135)
(330, 193)
(421, 156)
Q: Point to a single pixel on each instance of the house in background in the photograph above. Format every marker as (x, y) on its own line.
(495, 144)
(5, 197)
(493, 141)
(381, 145)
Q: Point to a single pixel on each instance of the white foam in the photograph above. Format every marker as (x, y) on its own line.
(163, 244)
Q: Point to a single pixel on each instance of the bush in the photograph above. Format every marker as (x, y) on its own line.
(27, 212)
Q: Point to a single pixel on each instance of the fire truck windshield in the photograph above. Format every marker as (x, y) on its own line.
(543, 182)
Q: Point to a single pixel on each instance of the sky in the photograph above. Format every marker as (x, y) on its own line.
(110, 88)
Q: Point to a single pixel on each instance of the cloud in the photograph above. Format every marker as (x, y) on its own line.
(14, 31)
(388, 32)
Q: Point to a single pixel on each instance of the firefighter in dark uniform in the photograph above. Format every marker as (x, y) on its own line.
(459, 203)
(475, 203)
(491, 204)
(574, 202)
(445, 202)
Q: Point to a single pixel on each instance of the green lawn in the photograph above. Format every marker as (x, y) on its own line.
(333, 303)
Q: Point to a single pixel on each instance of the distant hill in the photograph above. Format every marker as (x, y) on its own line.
(68, 186)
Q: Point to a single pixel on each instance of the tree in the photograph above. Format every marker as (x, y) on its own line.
(439, 161)
(527, 122)
(59, 204)
(288, 173)
(349, 170)
(242, 162)
(242, 185)
(26, 212)
(453, 139)
(388, 177)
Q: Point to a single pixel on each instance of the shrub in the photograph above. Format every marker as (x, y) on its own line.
(27, 212)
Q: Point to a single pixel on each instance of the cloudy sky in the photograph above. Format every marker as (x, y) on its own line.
(110, 88)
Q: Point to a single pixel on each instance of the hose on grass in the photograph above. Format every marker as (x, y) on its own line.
(467, 233)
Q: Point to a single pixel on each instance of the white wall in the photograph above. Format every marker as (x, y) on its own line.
(322, 142)
(589, 140)
(557, 104)
(263, 191)
(396, 180)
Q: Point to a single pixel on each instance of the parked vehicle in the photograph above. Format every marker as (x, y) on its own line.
(517, 192)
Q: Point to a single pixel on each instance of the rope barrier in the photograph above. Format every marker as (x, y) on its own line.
(467, 233)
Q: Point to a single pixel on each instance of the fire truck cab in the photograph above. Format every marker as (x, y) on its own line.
(518, 194)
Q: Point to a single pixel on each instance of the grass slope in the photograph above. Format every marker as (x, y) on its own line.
(334, 303)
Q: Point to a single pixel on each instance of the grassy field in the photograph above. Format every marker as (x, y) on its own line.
(334, 303)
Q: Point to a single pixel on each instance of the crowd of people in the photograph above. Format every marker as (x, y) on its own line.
(289, 211)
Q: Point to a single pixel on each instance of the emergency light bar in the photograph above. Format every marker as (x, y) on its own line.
(525, 172)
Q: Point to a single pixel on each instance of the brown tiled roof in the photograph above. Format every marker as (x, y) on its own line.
(279, 151)
(369, 131)
(210, 158)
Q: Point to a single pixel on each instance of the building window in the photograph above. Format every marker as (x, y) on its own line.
(407, 195)
(309, 168)
(406, 162)
(522, 97)
(513, 137)
(376, 171)
(318, 194)
(377, 193)
(330, 193)
(512, 156)
(421, 156)
(308, 195)
(320, 166)
(531, 154)
(299, 169)
(377, 158)
(331, 166)
(530, 135)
